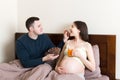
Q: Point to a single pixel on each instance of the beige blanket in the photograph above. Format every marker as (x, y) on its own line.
(14, 71)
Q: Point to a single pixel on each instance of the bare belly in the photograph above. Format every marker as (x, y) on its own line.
(71, 65)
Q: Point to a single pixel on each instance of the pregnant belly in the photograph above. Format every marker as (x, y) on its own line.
(71, 65)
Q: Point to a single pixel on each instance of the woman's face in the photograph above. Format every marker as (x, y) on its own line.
(73, 30)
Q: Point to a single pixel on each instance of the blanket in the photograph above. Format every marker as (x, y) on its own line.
(14, 71)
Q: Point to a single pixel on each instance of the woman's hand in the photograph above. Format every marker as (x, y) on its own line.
(66, 35)
(60, 70)
(76, 53)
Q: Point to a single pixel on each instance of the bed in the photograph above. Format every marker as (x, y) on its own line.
(107, 50)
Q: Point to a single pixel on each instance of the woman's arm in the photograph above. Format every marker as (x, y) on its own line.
(65, 39)
(90, 62)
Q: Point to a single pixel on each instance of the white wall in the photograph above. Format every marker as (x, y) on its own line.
(8, 23)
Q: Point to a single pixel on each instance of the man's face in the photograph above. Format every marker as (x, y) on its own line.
(37, 27)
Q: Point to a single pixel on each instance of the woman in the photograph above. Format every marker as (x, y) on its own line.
(77, 53)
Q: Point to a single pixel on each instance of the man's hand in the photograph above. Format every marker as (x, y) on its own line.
(49, 57)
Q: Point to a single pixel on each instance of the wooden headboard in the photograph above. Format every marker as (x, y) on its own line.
(107, 46)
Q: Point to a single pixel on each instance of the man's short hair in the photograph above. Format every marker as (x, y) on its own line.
(30, 21)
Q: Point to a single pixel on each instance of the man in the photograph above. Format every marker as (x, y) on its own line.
(31, 47)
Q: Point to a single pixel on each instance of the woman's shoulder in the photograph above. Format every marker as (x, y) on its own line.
(87, 44)
(68, 42)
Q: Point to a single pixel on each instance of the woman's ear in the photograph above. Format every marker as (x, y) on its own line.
(79, 31)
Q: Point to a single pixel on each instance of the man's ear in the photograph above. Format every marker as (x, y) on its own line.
(31, 28)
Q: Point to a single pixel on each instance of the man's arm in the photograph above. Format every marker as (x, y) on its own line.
(65, 38)
(23, 56)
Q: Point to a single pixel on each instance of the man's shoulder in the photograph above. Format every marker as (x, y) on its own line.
(43, 35)
(22, 37)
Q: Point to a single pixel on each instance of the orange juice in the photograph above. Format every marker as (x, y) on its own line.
(70, 52)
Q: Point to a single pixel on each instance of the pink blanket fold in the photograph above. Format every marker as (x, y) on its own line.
(14, 71)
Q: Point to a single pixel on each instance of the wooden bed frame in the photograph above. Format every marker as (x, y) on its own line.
(107, 46)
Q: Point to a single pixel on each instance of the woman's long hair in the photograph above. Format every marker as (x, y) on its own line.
(83, 30)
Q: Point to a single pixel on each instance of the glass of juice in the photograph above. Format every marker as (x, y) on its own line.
(70, 52)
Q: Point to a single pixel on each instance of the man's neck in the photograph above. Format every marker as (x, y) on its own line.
(32, 35)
